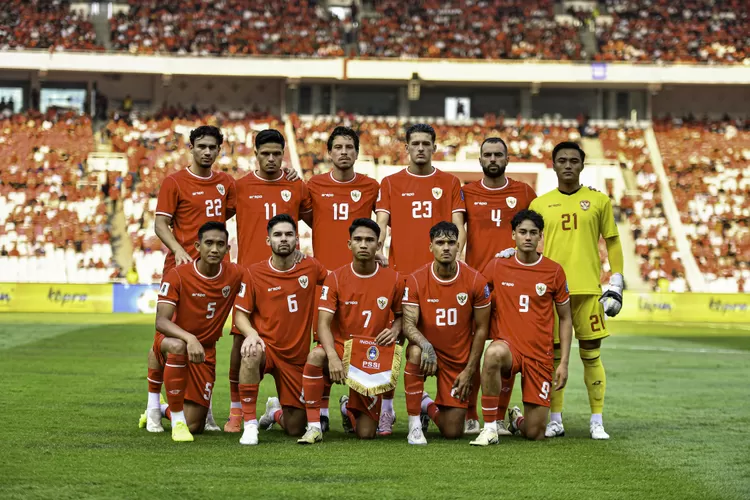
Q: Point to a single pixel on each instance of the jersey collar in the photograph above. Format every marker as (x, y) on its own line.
(442, 281)
(365, 276)
(342, 182)
(195, 266)
(529, 265)
(507, 183)
(570, 194)
(270, 264)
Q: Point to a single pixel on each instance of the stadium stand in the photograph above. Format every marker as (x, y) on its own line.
(708, 165)
(53, 219)
(42, 24)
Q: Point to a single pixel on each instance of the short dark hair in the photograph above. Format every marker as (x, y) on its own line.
(212, 225)
(278, 219)
(420, 127)
(206, 131)
(568, 145)
(494, 140)
(444, 228)
(363, 222)
(343, 132)
(523, 215)
(270, 136)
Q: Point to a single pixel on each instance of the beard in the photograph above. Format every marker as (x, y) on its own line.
(492, 173)
(283, 253)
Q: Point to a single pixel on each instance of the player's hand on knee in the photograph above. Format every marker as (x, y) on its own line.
(561, 376)
(429, 359)
(506, 254)
(290, 173)
(336, 370)
(196, 353)
(387, 337)
(182, 257)
(252, 346)
(462, 386)
(612, 298)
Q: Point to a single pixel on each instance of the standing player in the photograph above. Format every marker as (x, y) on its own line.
(491, 204)
(527, 286)
(575, 217)
(187, 200)
(411, 202)
(357, 299)
(338, 197)
(260, 196)
(195, 300)
(280, 302)
(443, 302)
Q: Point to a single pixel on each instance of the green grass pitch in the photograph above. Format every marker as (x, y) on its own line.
(677, 408)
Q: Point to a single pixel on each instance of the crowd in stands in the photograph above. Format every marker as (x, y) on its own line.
(655, 247)
(708, 165)
(49, 209)
(44, 24)
(629, 30)
(668, 31)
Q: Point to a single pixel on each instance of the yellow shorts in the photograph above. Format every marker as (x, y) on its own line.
(588, 318)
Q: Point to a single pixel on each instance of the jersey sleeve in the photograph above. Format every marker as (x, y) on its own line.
(607, 220)
(481, 292)
(530, 194)
(457, 200)
(169, 194)
(169, 292)
(305, 205)
(535, 206)
(245, 300)
(411, 292)
(329, 295)
(321, 271)
(383, 202)
(561, 294)
(489, 271)
(398, 295)
(232, 196)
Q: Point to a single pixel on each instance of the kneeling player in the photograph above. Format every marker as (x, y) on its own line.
(527, 286)
(443, 300)
(356, 299)
(279, 301)
(194, 302)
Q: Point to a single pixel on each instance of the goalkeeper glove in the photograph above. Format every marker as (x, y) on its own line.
(612, 298)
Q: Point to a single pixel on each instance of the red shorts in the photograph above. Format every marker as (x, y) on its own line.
(288, 378)
(536, 379)
(446, 374)
(359, 404)
(201, 376)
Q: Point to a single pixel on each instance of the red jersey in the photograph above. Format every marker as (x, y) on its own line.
(191, 201)
(258, 200)
(280, 305)
(488, 215)
(202, 303)
(361, 305)
(415, 204)
(446, 309)
(525, 295)
(335, 205)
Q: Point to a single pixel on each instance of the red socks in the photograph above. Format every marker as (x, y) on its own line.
(313, 385)
(155, 380)
(326, 396)
(234, 382)
(489, 408)
(413, 386)
(503, 400)
(249, 400)
(175, 380)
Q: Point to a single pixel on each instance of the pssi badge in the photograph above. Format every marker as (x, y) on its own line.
(372, 353)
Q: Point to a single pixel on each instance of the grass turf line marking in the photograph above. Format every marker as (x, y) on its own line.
(685, 350)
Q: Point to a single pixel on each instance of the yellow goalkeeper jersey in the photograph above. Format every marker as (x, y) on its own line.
(572, 226)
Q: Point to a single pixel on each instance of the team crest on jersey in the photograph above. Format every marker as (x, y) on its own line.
(382, 302)
(225, 291)
(462, 298)
(286, 195)
(373, 353)
(585, 204)
(356, 195)
(511, 201)
(541, 289)
(303, 281)
(437, 193)
(220, 189)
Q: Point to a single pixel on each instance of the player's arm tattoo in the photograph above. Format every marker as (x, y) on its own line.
(411, 332)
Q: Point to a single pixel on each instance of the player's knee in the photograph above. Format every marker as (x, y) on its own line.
(414, 354)
(366, 428)
(197, 426)
(317, 357)
(295, 427)
(453, 431)
(251, 361)
(535, 433)
(153, 361)
(176, 346)
(495, 354)
(366, 433)
(589, 344)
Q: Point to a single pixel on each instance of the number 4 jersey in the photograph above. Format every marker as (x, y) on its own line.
(525, 297)
(191, 201)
